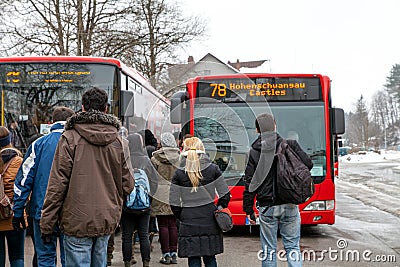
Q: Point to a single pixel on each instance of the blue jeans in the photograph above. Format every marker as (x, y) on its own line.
(286, 218)
(47, 253)
(209, 261)
(85, 251)
(15, 244)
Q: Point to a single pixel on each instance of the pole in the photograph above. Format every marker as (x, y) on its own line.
(385, 134)
(270, 68)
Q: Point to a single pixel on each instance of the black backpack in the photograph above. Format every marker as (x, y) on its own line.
(294, 183)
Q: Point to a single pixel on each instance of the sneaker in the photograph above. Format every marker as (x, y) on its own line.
(174, 259)
(165, 259)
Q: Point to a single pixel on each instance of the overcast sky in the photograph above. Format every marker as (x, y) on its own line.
(354, 42)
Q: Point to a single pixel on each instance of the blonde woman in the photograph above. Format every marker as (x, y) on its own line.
(192, 197)
(10, 161)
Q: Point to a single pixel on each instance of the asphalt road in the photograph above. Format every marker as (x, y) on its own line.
(362, 236)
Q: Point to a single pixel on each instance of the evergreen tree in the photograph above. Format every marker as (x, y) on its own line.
(393, 82)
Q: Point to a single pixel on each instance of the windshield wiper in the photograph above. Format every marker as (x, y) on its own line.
(219, 141)
(317, 153)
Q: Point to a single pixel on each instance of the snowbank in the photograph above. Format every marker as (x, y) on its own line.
(367, 177)
(370, 157)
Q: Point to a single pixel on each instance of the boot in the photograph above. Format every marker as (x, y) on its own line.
(146, 263)
(174, 258)
(127, 264)
(165, 259)
(133, 260)
(151, 236)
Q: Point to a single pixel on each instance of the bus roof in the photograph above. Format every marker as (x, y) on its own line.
(253, 75)
(87, 59)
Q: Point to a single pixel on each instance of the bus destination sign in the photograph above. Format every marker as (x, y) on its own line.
(274, 89)
(44, 76)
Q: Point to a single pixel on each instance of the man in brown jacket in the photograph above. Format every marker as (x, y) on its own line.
(89, 178)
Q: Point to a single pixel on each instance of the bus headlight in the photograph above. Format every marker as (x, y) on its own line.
(321, 205)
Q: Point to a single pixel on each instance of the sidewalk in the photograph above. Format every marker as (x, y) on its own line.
(117, 255)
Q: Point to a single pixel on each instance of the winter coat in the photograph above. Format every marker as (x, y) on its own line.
(89, 178)
(140, 160)
(199, 234)
(34, 174)
(165, 161)
(8, 177)
(264, 192)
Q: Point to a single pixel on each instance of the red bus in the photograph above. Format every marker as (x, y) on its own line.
(32, 86)
(221, 110)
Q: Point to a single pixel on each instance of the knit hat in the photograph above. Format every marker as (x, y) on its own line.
(168, 140)
(5, 141)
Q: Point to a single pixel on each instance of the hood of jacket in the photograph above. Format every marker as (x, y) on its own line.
(265, 145)
(96, 127)
(8, 153)
(266, 142)
(168, 155)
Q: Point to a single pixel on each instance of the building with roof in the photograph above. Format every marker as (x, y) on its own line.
(179, 74)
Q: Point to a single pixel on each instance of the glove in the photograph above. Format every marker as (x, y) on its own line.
(18, 223)
(47, 238)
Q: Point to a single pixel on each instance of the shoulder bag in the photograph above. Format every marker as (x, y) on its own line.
(5, 203)
(224, 219)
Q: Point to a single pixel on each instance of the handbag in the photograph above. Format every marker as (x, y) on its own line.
(5, 203)
(223, 217)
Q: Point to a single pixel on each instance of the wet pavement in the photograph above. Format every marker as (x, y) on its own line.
(366, 232)
(360, 236)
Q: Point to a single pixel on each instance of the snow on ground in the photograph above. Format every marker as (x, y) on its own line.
(370, 156)
(372, 178)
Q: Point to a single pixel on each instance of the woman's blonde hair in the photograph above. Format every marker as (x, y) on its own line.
(193, 146)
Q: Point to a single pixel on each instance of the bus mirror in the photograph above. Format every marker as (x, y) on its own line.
(127, 104)
(177, 106)
(176, 111)
(338, 121)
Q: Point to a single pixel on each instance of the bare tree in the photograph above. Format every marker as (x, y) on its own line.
(358, 124)
(380, 108)
(164, 29)
(146, 34)
(64, 27)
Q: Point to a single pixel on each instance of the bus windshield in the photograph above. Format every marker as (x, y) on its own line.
(30, 91)
(229, 130)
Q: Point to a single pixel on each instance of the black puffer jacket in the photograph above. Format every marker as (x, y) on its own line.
(199, 234)
(266, 144)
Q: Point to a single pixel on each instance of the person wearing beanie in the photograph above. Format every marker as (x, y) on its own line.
(166, 160)
(168, 140)
(10, 161)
